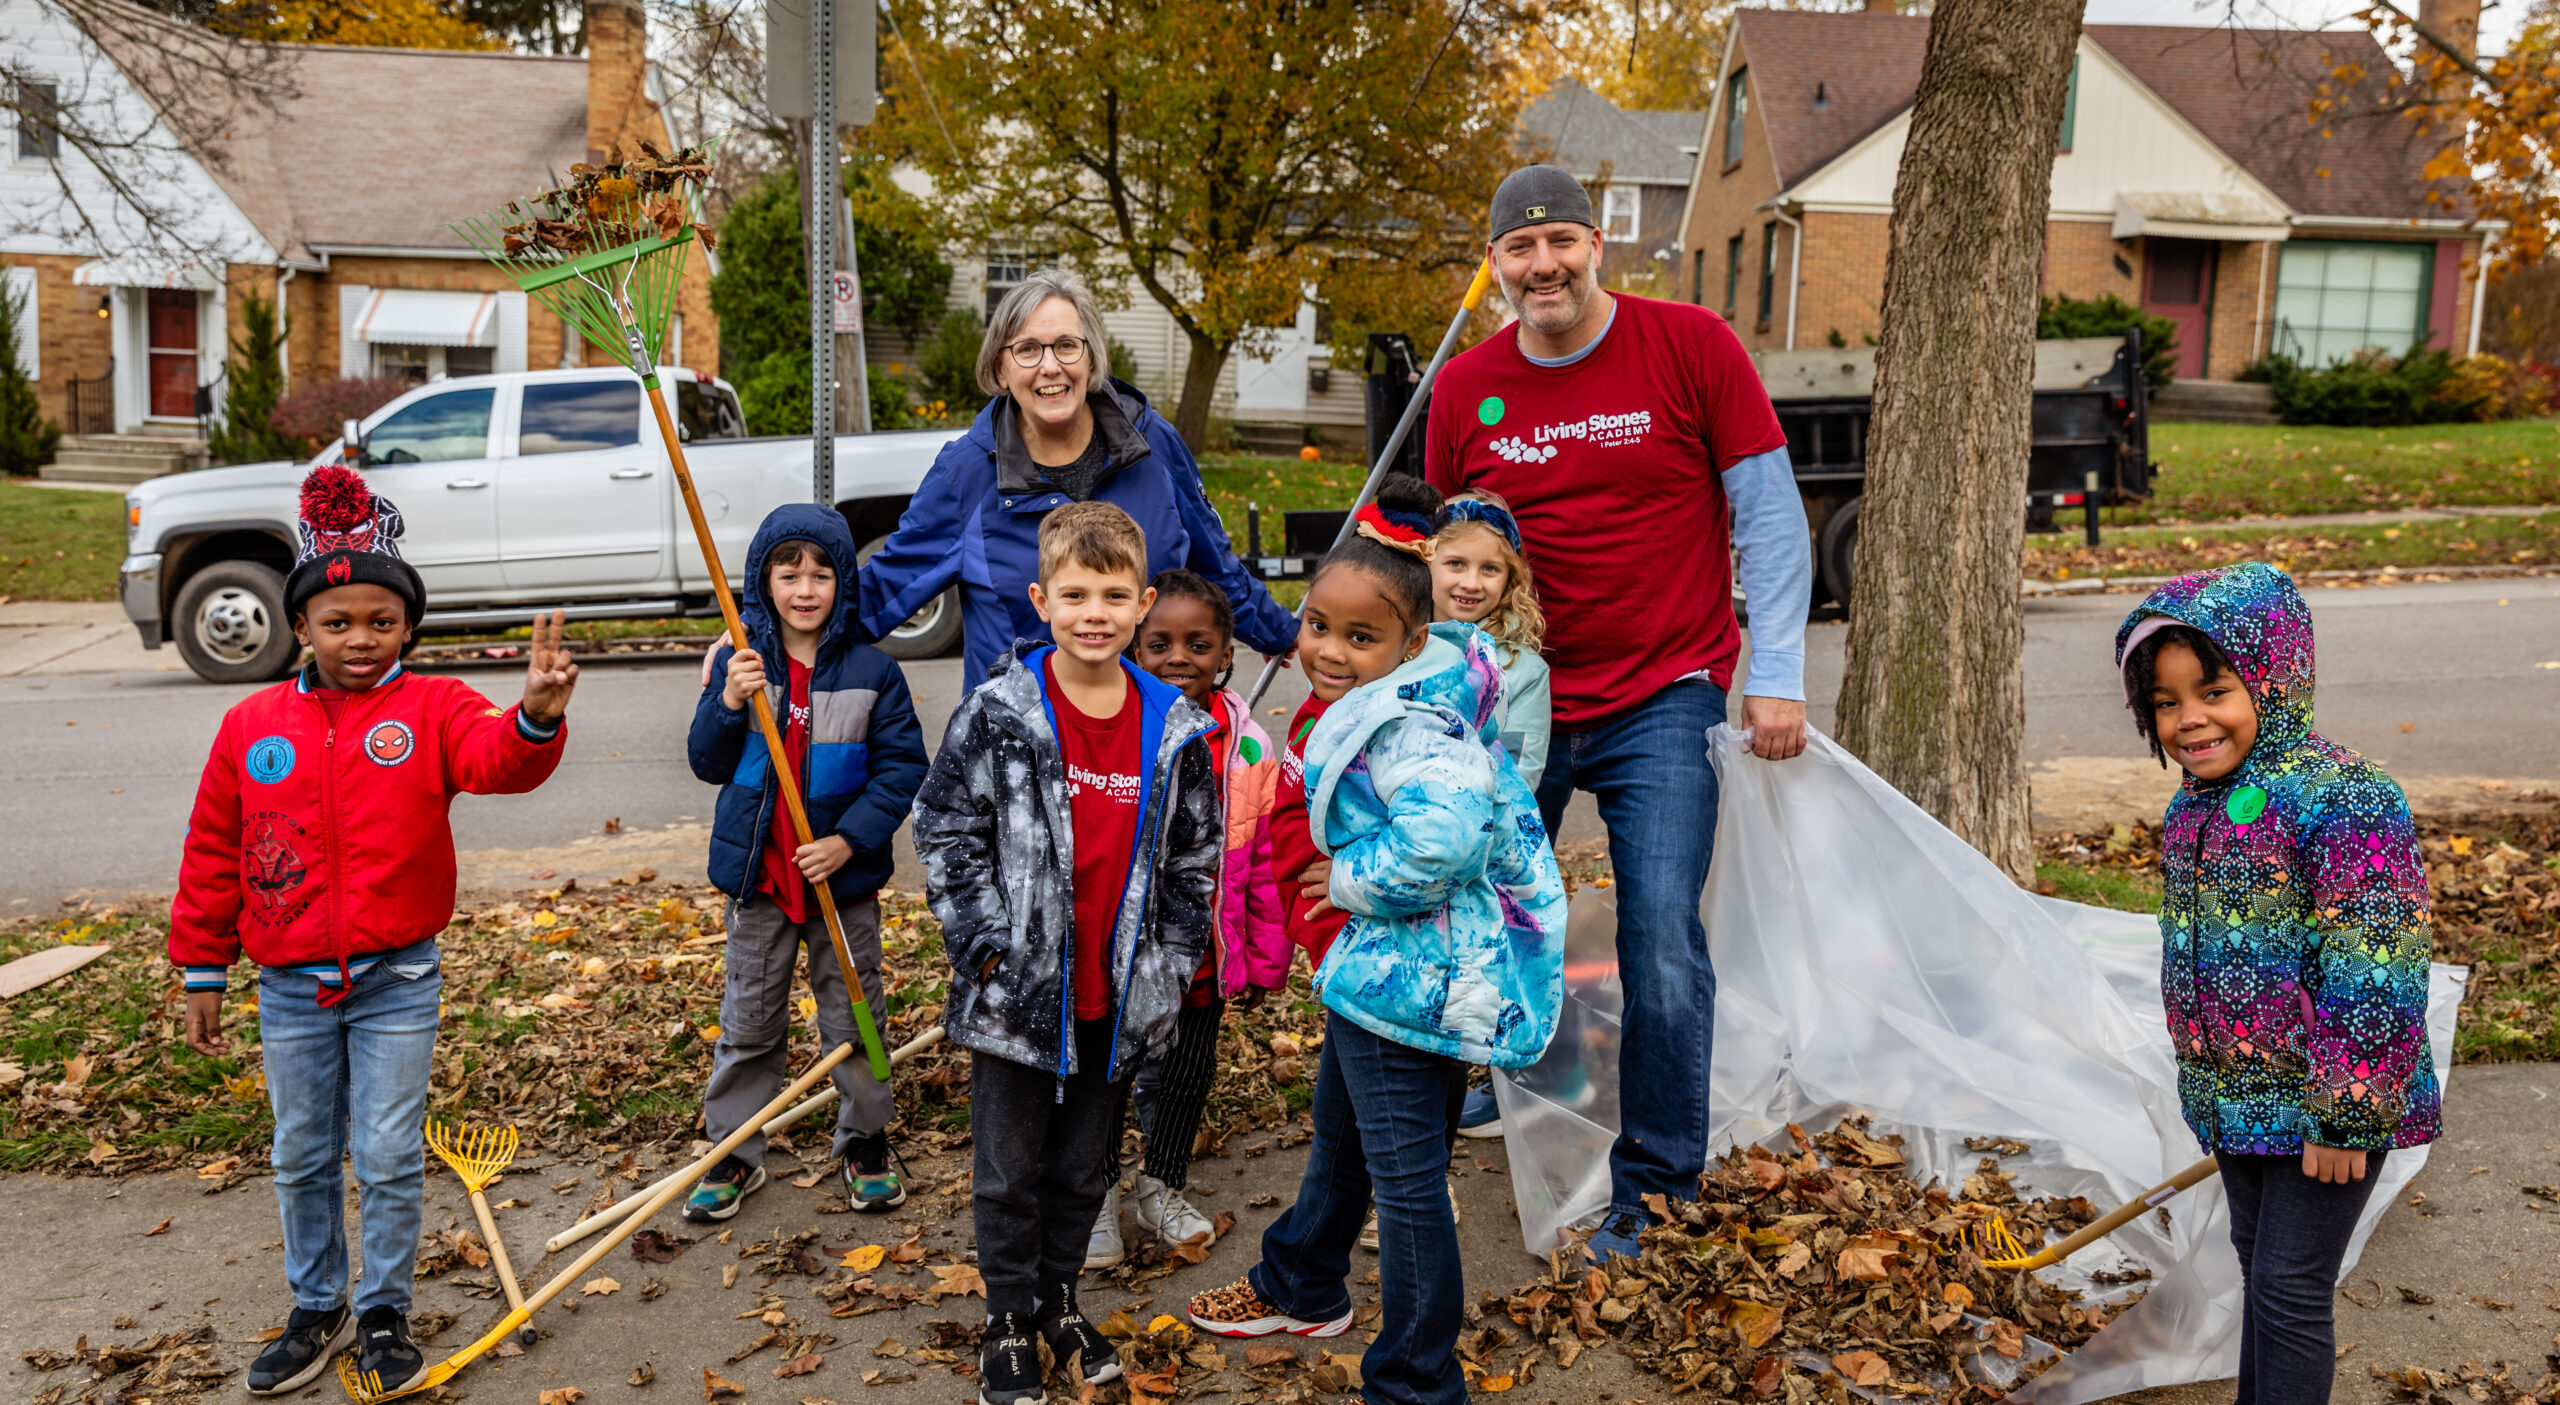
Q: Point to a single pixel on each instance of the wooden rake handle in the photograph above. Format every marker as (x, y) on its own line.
(780, 759)
(2122, 1215)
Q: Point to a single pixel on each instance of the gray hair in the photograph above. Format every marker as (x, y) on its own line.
(1013, 313)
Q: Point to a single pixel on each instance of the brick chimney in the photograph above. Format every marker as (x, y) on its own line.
(2457, 22)
(617, 74)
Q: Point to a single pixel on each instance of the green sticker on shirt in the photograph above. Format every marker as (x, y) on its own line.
(2245, 804)
(1490, 410)
(1251, 750)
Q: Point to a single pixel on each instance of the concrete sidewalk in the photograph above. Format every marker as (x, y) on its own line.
(2483, 1255)
(41, 637)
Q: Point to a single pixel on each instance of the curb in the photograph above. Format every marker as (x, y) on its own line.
(2105, 585)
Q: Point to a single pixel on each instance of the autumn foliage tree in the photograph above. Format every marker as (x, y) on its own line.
(1222, 159)
(2496, 119)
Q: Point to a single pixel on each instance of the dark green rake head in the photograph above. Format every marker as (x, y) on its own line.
(605, 252)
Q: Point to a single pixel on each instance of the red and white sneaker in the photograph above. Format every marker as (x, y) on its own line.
(1238, 1311)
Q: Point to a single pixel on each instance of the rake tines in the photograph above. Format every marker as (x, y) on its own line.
(1997, 1247)
(476, 1154)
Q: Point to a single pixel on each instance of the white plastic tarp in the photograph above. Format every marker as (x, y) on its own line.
(1867, 960)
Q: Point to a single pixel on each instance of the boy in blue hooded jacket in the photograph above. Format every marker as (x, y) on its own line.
(855, 747)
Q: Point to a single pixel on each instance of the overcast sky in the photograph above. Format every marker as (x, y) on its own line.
(2498, 22)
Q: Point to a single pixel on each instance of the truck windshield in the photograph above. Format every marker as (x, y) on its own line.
(706, 411)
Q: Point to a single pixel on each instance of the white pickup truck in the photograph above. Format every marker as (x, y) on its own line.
(523, 493)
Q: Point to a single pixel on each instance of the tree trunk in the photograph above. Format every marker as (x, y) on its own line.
(1934, 697)
(1199, 387)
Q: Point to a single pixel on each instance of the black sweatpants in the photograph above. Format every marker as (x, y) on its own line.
(1040, 1174)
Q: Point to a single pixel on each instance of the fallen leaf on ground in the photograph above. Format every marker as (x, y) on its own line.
(799, 1366)
(955, 1281)
(160, 1228)
(598, 1287)
(644, 1373)
(1268, 1353)
(866, 1258)
(714, 1386)
(563, 1395)
(1861, 1368)
(216, 1170)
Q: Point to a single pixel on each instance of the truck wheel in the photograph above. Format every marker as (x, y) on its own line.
(230, 624)
(1839, 551)
(929, 633)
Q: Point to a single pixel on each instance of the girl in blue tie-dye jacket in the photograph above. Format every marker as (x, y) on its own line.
(2295, 930)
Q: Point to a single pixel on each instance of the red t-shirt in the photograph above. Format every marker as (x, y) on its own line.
(1293, 847)
(1101, 755)
(1613, 467)
(781, 876)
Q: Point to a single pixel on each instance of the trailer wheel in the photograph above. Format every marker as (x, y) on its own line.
(230, 624)
(929, 633)
(1839, 551)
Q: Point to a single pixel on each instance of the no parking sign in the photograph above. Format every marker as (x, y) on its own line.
(848, 300)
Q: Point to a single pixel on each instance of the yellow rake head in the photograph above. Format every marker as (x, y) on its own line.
(365, 1387)
(1998, 1247)
(477, 1154)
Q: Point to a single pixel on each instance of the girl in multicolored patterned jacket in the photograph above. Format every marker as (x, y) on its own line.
(1453, 954)
(2295, 930)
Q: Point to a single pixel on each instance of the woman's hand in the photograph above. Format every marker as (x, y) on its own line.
(1250, 998)
(746, 679)
(2332, 1165)
(820, 860)
(204, 1023)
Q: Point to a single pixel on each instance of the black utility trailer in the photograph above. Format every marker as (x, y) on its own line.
(2092, 444)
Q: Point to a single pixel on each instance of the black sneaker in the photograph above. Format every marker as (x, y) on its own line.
(297, 1358)
(384, 1352)
(871, 1185)
(1069, 1334)
(1009, 1363)
(723, 1191)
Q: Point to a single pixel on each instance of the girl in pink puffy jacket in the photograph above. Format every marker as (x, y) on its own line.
(1188, 640)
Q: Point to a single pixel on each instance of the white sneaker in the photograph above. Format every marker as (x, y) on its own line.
(1104, 1249)
(1164, 1213)
(1369, 1231)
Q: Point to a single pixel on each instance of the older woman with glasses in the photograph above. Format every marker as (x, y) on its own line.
(1058, 429)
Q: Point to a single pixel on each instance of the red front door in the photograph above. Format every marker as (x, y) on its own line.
(2178, 284)
(173, 354)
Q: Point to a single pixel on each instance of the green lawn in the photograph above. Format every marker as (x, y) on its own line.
(2413, 547)
(59, 543)
(2210, 471)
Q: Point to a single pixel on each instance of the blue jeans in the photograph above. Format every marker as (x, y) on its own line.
(1657, 790)
(351, 1077)
(2292, 1234)
(1382, 1112)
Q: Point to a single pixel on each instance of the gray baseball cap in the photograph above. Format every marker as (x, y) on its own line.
(1539, 195)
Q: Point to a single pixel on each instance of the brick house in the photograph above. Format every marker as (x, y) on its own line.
(333, 205)
(2190, 180)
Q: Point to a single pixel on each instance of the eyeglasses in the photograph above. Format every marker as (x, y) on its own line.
(1026, 353)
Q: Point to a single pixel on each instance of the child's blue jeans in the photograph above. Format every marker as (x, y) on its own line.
(2292, 1234)
(1382, 1111)
(351, 1078)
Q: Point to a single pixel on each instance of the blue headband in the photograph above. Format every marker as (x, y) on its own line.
(1480, 511)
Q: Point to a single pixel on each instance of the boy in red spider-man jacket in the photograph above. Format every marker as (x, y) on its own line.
(320, 847)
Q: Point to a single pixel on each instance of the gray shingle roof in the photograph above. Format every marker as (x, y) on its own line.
(1582, 131)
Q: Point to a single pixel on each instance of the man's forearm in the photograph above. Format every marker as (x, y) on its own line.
(1775, 570)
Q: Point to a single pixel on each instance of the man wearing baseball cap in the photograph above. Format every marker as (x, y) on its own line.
(1640, 455)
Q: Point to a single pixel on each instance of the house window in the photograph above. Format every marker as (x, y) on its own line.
(1619, 212)
(1005, 268)
(1768, 267)
(420, 364)
(39, 135)
(1732, 273)
(2070, 103)
(1737, 105)
(2336, 299)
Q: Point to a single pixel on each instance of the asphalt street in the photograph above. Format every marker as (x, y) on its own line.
(2447, 684)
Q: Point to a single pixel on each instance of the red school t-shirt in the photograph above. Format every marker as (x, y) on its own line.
(781, 875)
(1102, 760)
(1613, 466)
(1293, 844)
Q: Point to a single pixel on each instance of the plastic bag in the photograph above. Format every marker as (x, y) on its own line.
(1868, 960)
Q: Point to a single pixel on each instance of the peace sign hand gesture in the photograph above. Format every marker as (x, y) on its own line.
(552, 675)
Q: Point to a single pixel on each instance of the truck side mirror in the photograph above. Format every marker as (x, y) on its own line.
(352, 449)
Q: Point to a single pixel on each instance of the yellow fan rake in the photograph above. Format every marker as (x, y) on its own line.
(1999, 1248)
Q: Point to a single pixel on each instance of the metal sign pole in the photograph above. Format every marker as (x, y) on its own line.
(826, 180)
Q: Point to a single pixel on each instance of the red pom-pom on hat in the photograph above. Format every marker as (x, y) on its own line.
(335, 499)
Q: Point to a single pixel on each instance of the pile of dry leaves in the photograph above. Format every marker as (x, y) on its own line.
(2471, 1381)
(624, 201)
(1796, 1277)
(167, 1366)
